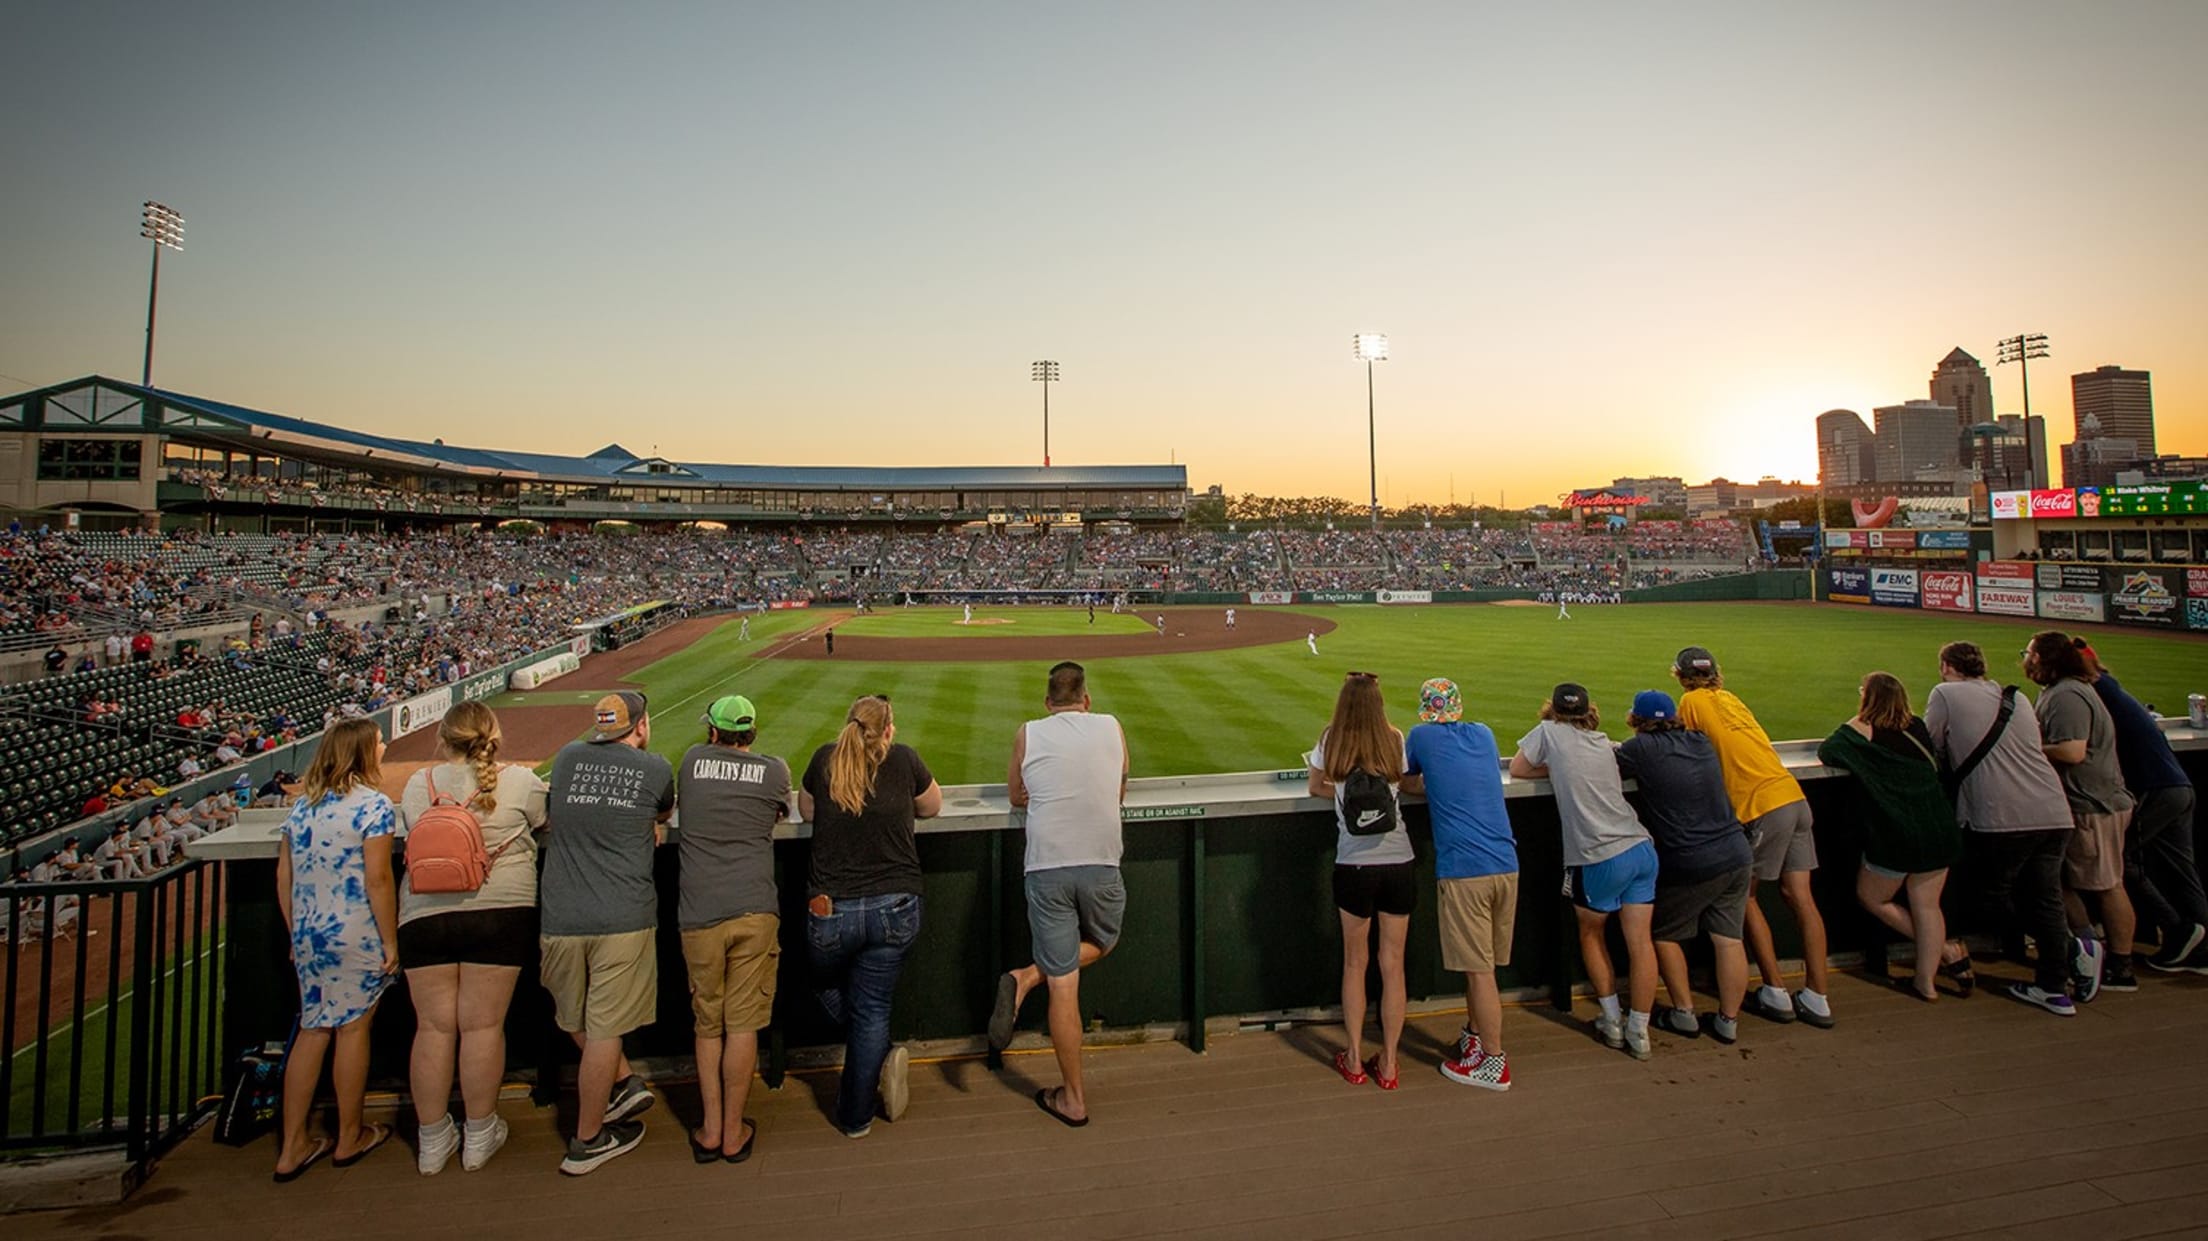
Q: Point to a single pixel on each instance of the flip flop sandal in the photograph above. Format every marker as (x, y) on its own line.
(1006, 1013)
(383, 1134)
(1042, 1100)
(1962, 975)
(1354, 1074)
(322, 1146)
(744, 1152)
(1907, 985)
(700, 1152)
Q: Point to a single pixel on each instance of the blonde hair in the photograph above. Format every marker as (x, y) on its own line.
(346, 759)
(1359, 738)
(1885, 702)
(860, 749)
(469, 733)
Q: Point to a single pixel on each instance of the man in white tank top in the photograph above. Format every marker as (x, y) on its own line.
(1069, 771)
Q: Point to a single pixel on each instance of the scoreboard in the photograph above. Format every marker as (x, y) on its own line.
(2154, 500)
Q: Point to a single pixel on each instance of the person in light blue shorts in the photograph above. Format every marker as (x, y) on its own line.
(1609, 860)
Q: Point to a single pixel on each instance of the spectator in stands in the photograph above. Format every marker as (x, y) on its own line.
(1705, 866)
(730, 799)
(1455, 763)
(2080, 739)
(2160, 872)
(116, 645)
(1610, 864)
(95, 804)
(464, 951)
(1909, 832)
(188, 768)
(141, 647)
(2015, 820)
(609, 797)
(1069, 772)
(57, 660)
(862, 792)
(334, 886)
(1358, 765)
(1770, 802)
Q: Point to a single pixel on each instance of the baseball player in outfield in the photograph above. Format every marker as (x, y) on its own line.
(1230, 619)
(1312, 640)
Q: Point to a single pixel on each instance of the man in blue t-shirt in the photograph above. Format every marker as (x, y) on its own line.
(2159, 868)
(1457, 766)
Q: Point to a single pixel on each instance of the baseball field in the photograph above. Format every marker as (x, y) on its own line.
(1201, 698)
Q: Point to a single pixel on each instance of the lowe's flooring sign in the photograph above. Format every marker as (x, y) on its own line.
(2072, 605)
(2147, 597)
(1894, 588)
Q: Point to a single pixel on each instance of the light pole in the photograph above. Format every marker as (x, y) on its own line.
(2020, 349)
(1368, 348)
(1046, 374)
(163, 227)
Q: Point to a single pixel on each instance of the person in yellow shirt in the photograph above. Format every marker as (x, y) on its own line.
(1770, 802)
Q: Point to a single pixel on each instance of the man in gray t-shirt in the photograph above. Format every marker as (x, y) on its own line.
(731, 933)
(609, 795)
(2080, 739)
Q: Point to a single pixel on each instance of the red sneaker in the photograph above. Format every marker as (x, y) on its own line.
(1490, 1072)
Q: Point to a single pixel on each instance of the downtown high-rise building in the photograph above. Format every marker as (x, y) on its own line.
(2120, 403)
(1960, 382)
(1847, 452)
(1916, 440)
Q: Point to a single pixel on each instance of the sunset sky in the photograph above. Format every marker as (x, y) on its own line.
(1630, 239)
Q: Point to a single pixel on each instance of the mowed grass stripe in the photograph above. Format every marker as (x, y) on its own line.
(1260, 708)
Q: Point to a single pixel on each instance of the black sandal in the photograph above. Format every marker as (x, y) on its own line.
(1959, 972)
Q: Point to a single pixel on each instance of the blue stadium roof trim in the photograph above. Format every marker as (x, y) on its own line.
(610, 462)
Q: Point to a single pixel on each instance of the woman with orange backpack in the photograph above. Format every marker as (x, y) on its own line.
(467, 926)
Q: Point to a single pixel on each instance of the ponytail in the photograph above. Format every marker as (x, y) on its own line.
(469, 733)
(860, 748)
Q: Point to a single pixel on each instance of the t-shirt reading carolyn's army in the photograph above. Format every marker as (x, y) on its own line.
(730, 802)
(598, 854)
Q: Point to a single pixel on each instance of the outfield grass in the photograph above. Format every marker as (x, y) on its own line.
(1261, 708)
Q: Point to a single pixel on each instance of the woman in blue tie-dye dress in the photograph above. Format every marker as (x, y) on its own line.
(334, 884)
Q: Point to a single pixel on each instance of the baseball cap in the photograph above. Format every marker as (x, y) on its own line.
(1655, 704)
(1439, 702)
(732, 714)
(1695, 659)
(1569, 699)
(615, 716)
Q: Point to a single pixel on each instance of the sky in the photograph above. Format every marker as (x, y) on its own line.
(1603, 239)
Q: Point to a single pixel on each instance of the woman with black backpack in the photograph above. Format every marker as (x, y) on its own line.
(1358, 764)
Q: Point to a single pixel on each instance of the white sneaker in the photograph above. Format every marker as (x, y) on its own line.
(896, 1084)
(483, 1144)
(434, 1146)
(1611, 1030)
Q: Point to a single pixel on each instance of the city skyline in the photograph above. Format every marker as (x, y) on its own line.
(1608, 244)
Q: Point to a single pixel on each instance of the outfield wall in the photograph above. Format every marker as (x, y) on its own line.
(2159, 597)
(1229, 916)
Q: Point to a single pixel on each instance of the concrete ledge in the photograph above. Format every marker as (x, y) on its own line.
(58, 1182)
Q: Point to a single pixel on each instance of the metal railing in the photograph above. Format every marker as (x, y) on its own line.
(111, 1027)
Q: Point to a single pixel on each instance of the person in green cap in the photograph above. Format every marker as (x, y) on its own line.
(729, 800)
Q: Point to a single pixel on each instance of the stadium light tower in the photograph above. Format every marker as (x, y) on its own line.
(1368, 348)
(1046, 374)
(165, 228)
(2021, 349)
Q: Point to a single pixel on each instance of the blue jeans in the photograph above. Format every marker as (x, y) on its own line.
(857, 953)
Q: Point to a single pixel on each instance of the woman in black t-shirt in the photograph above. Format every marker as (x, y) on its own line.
(861, 793)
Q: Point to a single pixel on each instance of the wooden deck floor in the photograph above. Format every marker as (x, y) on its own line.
(1980, 1118)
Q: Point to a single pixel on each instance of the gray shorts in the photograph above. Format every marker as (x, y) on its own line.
(1783, 840)
(1068, 906)
(1713, 906)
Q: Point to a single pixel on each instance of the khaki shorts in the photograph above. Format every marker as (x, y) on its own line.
(2093, 860)
(732, 966)
(602, 986)
(1478, 918)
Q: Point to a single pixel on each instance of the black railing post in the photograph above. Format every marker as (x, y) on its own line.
(75, 1110)
(7, 1017)
(142, 966)
(45, 1021)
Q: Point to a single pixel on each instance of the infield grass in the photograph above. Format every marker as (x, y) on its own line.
(1021, 622)
(1797, 666)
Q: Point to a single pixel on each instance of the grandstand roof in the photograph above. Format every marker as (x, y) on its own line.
(611, 463)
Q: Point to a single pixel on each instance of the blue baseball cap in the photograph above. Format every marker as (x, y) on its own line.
(1654, 704)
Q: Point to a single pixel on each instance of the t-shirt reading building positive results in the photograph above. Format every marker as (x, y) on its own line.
(730, 802)
(598, 855)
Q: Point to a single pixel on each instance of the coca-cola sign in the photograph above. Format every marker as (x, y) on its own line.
(2062, 502)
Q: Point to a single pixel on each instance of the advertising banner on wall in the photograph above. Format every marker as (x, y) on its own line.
(1848, 585)
(1893, 538)
(1945, 591)
(1272, 596)
(2007, 600)
(1337, 596)
(2009, 505)
(1847, 538)
(2014, 574)
(420, 711)
(579, 645)
(2196, 583)
(2196, 613)
(2085, 577)
(2072, 605)
(2147, 597)
(1894, 588)
(2059, 503)
(1944, 540)
(1405, 596)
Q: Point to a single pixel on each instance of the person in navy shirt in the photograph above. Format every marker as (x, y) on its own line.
(1457, 765)
(2159, 867)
